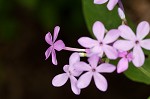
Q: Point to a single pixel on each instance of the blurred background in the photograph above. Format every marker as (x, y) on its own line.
(24, 73)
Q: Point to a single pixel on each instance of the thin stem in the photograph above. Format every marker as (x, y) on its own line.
(74, 49)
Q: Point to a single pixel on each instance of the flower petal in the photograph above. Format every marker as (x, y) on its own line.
(82, 66)
(66, 68)
(59, 45)
(99, 30)
(48, 38)
(74, 87)
(121, 13)
(126, 32)
(84, 80)
(142, 30)
(122, 53)
(97, 50)
(54, 59)
(111, 36)
(48, 52)
(100, 1)
(87, 42)
(106, 68)
(111, 4)
(74, 58)
(110, 52)
(122, 65)
(56, 31)
(93, 60)
(60, 80)
(100, 82)
(145, 44)
(138, 56)
(123, 45)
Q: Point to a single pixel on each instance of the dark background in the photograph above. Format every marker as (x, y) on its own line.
(24, 73)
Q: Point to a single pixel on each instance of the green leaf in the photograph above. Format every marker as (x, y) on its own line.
(148, 97)
(93, 12)
(141, 74)
(111, 20)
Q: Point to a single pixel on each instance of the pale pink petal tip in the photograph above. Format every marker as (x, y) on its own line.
(100, 1)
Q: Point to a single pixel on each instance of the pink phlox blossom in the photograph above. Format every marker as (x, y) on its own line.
(102, 44)
(111, 4)
(124, 61)
(93, 70)
(137, 42)
(54, 45)
(70, 73)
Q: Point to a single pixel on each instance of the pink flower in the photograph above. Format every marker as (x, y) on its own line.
(102, 44)
(93, 71)
(70, 73)
(111, 4)
(54, 45)
(123, 63)
(134, 41)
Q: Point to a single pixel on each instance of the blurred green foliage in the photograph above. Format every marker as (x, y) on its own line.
(47, 13)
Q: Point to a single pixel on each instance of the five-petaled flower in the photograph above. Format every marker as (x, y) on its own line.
(58, 45)
(111, 4)
(93, 71)
(134, 41)
(70, 72)
(102, 44)
(124, 61)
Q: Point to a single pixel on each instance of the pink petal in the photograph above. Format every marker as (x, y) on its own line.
(74, 58)
(74, 87)
(130, 56)
(97, 50)
(100, 1)
(82, 66)
(54, 60)
(56, 31)
(60, 80)
(111, 4)
(121, 13)
(48, 52)
(106, 68)
(122, 65)
(145, 44)
(100, 82)
(59, 45)
(87, 42)
(127, 33)
(123, 45)
(99, 30)
(138, 56)
(75, 72)
(142, 30)
(66, 68)
(48, 38)
(84, 80)
(93, 60)
(122, 53)
(111, 36)
(110, 52)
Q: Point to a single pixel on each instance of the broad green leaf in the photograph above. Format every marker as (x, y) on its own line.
(148, 97)
(141, 74)
(111, 20)
(93, 12)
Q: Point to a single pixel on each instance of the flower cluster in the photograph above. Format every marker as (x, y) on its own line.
(121, 43)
